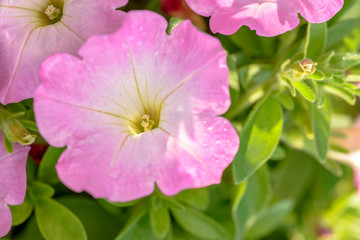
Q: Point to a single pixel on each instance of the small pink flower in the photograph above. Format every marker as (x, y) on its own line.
(12, 181)
(139, 107)
(268, 17)
(32, 30)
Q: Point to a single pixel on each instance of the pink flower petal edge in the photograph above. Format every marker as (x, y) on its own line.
(267, 18)
(26, 38)
(12, 182)
(100, 107)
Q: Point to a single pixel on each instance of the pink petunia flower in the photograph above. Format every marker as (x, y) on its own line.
(32, 30)
(12, 181)
(140, 107)
(268, 17)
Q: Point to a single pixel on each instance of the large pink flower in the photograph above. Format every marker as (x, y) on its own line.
(32, 30)
(12, 182)
(267, 17)
(140, 107)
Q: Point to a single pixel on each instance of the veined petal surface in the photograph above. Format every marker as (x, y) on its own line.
(101, 106)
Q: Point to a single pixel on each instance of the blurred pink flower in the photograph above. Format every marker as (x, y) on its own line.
(139, 107)
(32, 30)
(268, 17)
(12, 181)
(351, 142)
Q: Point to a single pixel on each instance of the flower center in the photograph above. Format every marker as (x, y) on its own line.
(147, 123)
(52, 12)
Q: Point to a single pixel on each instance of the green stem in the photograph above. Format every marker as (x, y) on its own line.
(250, 97)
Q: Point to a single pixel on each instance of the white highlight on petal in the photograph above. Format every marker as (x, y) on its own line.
(52, 12)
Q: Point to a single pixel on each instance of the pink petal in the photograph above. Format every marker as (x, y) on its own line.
(268, 18)
(12, 181)
(5, 219)
(24, 45)
(203, 7)
(91, 104)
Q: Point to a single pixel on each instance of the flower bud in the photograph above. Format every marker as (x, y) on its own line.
(15, 132)
(302, 69)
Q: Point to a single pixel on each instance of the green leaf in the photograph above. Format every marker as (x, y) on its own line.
(47, 172)
(252, 196)
(159, 218)
(9, 147)
(199, 224)
(98, 223)
(39, 190)
(317, 75)
(305, 90)
(338, 31)
(278, 154)
(294, 175)
(173, 23)
(139, 228)
(56, 222)
(29, 232)
(345, 61)
(315, 40)
(286, 101)
(197, 198)
(352, 78)
(340, 91)
(320, 118)
(124, 204)
(30, 125)
(20, 213)
(269, 219)
(259, 138)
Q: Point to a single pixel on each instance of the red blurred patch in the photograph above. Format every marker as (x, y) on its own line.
(37, 152)
(179, 9)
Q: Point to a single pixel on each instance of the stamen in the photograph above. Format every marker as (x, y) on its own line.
(52, 12)
(147, 123)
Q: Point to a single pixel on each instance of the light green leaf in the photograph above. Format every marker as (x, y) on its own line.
(286, 101)
(56, 222)
(199, 224)
(269, 219)
(320, 118)
(20, 213)
(252, 196)
(9, 147)
(124, 204)
(259, 138)
(173, 23)
(159, 218)
(47, 172)
(345, 61)
(293, 177)
(317, 75)
(316, 38)
(139, 228)
(98, 223)
(305, 90)
(197, 198)
(340, 91)
(39, 190)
